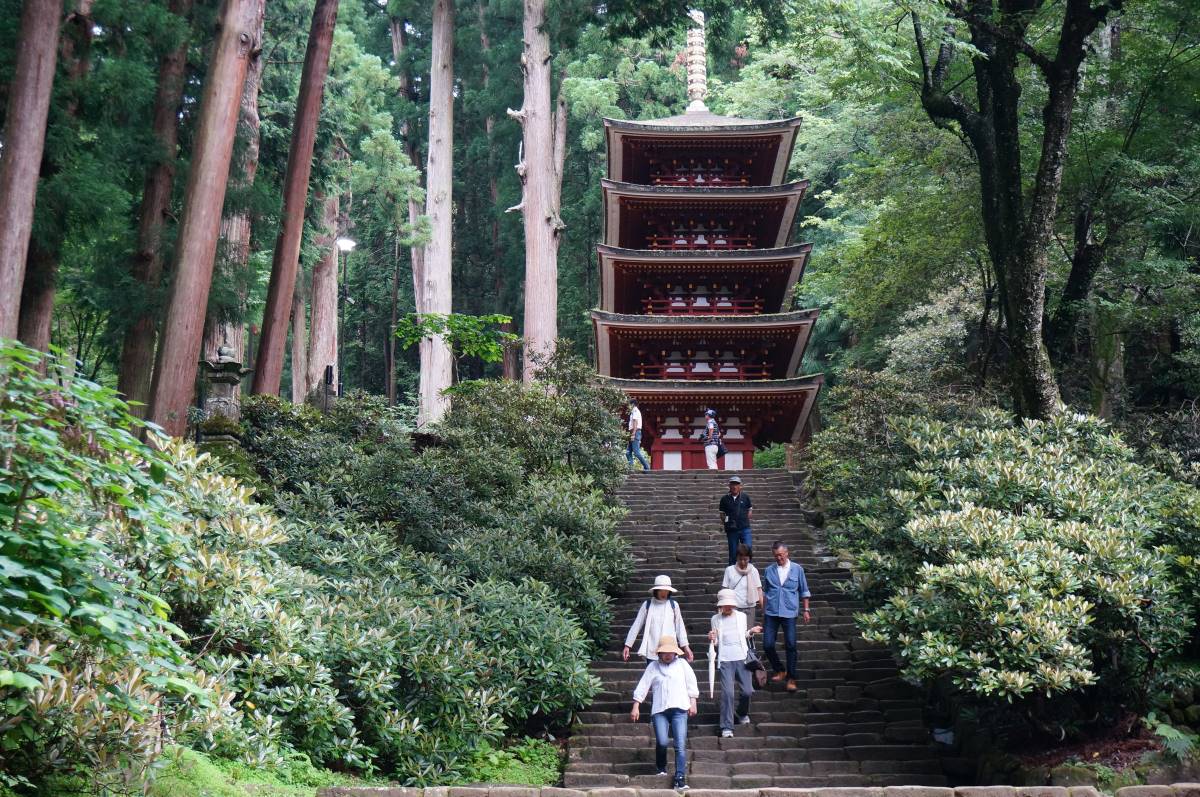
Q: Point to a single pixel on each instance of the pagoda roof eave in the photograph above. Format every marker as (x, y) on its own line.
(695, 192)
(702, 122)
(796, 317)
(707, 256)
(799, 322)
(717, 392)
(731, 386)
(793, 258)
(791, 194)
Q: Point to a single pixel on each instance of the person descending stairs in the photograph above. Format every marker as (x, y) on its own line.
(851, 722)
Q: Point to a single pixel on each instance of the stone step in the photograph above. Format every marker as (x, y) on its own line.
(852, 722)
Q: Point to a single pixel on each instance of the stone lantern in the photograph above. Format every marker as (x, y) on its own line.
(222, 407)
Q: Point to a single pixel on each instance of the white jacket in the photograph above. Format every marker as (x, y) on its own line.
(659, 619)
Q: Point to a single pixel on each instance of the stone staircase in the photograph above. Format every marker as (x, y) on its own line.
(852, 723)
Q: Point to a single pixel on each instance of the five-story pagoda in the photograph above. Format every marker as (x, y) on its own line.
(697, 278)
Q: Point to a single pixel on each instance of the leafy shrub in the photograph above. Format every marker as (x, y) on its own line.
(531, 762)
(347, 646)
(514, 484)
(854, 459)
(1025, 562)
(91, 670)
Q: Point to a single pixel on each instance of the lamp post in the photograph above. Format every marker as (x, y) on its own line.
(345, 246)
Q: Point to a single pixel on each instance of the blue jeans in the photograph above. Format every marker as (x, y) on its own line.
(634, 449)
(770, 628)
(734, 537)
(675, 721)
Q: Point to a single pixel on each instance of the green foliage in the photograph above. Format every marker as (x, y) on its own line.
(531, 762)
(1031, 564)
(91, 667)
(466, 335)
(189, 773)
(858, 453)
(1178, 744)
(449, 559)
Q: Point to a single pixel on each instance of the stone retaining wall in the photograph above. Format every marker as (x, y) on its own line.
(1177, 790)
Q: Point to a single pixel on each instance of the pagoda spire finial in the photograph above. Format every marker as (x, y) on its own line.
(697, 63)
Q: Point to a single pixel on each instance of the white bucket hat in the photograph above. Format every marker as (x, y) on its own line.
(668, 644)
(727, 597)
(662, 582)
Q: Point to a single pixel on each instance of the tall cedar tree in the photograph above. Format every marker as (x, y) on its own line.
(237, 223)
(137, 352)
(41, 265)
(199, 229)
(323, 336)
(540, 169)
(286, 260)
(432, 276)
(24, 141)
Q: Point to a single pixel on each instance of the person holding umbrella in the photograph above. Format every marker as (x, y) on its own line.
(675, 693)
(729, 633)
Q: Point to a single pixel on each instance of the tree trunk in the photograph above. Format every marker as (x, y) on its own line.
(1018, 235)
(539, 202)
(137, 351)
(196, 245)
(237, 225)
(37, 296)
(299, 346)
(286, 259)
(323, 338)
(41, 263)
(24, 142)
(432, 278)
(389, 349)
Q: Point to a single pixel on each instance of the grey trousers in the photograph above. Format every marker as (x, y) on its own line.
(730, 672)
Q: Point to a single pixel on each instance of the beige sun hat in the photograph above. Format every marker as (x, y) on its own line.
(727, 597)
(663, 582)
(667, 644)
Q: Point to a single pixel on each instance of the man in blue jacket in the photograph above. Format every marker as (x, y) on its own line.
(785, 590)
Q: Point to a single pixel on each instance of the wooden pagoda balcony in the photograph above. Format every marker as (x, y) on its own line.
(704, 172)
(690, 241)
(701, 305)
(703, 371)
(700, 180)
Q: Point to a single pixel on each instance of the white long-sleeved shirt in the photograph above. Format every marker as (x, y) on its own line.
(731, 636)
(674, 685)
(659, 619)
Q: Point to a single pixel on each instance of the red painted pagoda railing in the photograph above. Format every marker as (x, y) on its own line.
(691, 305)
(716, 371)
(690, 241)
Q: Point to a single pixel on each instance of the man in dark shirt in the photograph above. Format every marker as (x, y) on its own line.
(735, 516)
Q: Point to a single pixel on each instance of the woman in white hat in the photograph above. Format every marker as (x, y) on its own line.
(675, 692)
(658, 617)
(729, 632)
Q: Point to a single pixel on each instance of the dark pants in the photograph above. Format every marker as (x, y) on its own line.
(667, 723)
(634, 449)
(734, 675)
(770, 628)
(734, 537)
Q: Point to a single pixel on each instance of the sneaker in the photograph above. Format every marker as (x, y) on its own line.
(744, 720)
(791, 685)
(727, 734)
(777, 677)
(661, 772)
(681, 785)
